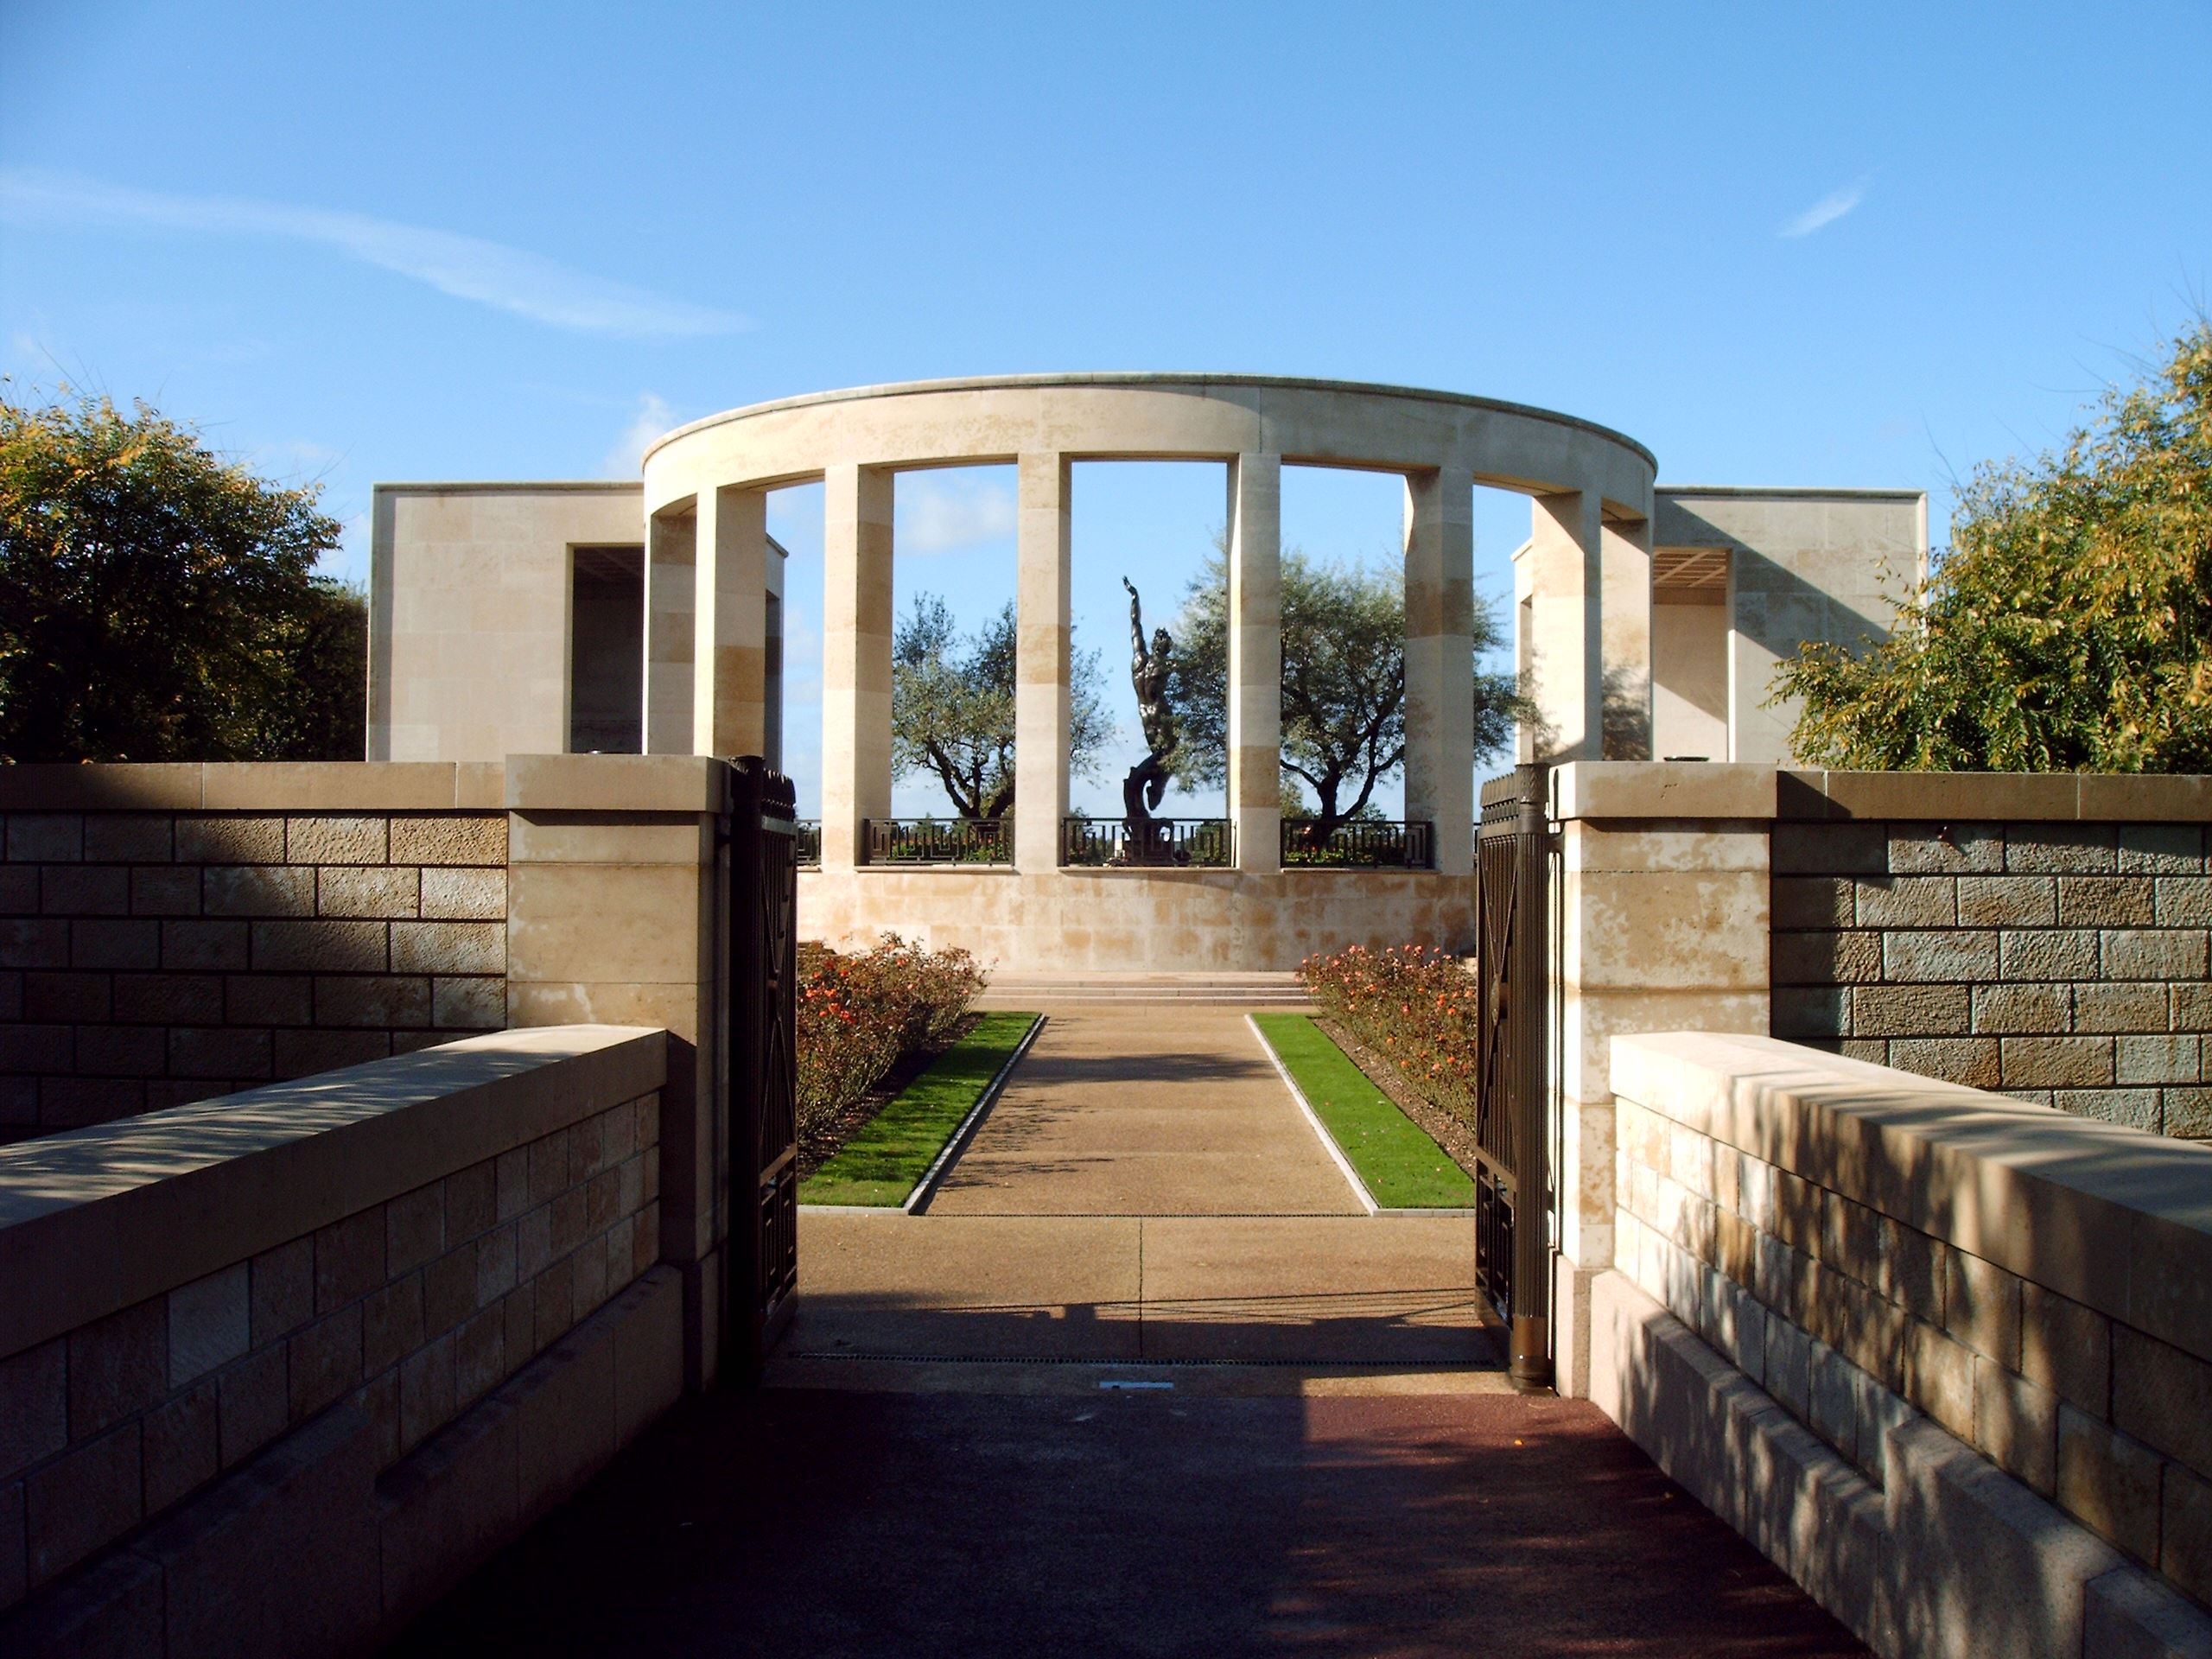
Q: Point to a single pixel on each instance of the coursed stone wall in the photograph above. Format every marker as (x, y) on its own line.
(388, 1343)
(152, 959)
(2062, 962)
(1875, 1260)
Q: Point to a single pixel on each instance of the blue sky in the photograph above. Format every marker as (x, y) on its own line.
(1855, 246)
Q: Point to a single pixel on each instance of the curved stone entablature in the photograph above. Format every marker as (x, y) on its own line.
(997, 420)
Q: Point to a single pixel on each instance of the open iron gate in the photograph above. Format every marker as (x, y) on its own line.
(1513, 1185)
(759, 1065)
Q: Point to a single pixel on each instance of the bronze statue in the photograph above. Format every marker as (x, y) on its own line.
(1148, 673)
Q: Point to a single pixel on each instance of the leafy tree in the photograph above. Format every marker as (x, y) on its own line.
(2069, 626)
(158, 603)
(1344, 685)
(952, 707)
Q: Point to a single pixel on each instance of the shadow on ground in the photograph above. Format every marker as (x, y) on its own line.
(819, 1522)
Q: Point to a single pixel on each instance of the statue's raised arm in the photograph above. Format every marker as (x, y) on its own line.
(1136, 618)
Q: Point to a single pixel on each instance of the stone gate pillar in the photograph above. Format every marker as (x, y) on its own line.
(1439, 578)
(1255, 660)
(1589, 618)
(729, 689)
(856, 621)
(1043, 704)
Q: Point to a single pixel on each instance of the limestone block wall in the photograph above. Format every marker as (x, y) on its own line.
(1946, 1355)
(276, 1367)
(151, 957)
(2060, 962)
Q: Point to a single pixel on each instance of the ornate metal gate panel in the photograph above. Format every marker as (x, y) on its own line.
(758, 1065)
(1513, 1187)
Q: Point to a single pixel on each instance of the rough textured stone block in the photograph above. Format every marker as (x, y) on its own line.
(2137, 1109)
(2008, 901)
(415, 1229)
(1946, 850)
(1800, 1013)
(281, 1290)
(127, 838)
(229, 840)
(385, 892)
(121, 1051)
(87, 1497)
(299, 1053)
(332, 840)
(2127, 1614)
(1939, 956)
(2016, 1424)
(426, 1391)
(449, 1290)
(2023, 1010)
(256, 890)
(169, 999)
(210, 1324)
(1971, 1060)
(450, 947)
(1830, 848)
(45, 837)
(228, 1052)
(34, 1406)
(321, 946)
(1813, 901)
(2066, 1347)
(1908, 902)
(1981, 1304)
(118, 1366)
(205, 946)
(323, 1362)
(2160, 1395)
(111, 1610)
(2108, 1482)
(165, 891)
(391, 1323)
(1909, 1010)
(2057, 1062)
(182, 1446)
(84, 890)
(2185, 1534)
(2183, 901)
(2153, 953)
(446, 1508)
(236, 1559)
(450, 840)
(1938, 1378)
(1986, 1565)
(467, 895)
(349, 1259)
(2062, 849)
(471, 1004)
(2119, 1007)
(370, 1000)
(115, 945)
(252, 1404)
(2048, 953)
(2105, 901)
(2161, 848)
(480, 1355)
(33, 945)
(2186, 1113)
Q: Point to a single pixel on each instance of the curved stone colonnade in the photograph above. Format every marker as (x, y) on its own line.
(706, 604)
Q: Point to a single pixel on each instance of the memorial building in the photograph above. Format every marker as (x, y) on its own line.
(646, 615)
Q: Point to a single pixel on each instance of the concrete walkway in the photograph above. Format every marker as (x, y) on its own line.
(1144, 1189)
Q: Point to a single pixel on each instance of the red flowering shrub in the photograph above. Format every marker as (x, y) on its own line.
(859, 1012)
(1416, 1007)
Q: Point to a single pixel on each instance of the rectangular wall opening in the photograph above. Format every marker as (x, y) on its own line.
(606, 648)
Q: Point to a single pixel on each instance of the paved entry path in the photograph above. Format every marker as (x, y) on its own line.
(1026, 1422)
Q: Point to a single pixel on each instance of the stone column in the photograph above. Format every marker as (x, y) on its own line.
(730, 681)
(1255, 660)
(1624, 635)
(855, 658)
(1042, 703)
(1591, 616)
(1440, 661)
(672, 558)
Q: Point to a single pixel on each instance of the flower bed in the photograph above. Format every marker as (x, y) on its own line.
(860, 1012)
(1416, 1007)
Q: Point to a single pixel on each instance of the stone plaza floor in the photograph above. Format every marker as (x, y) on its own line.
(1144, 1379)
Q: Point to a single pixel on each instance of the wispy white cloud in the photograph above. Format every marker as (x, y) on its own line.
(1825, 211)
(650, 420)
(466, 267)
(936, 515)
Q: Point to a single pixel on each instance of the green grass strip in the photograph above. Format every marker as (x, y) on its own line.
(879, 1165)
(1403, 1169)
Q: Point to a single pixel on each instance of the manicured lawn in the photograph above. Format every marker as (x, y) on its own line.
(1403, 1169)
(881, 1165)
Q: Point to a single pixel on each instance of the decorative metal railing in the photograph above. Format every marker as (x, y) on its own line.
(937, 841)
(807, 845)
(1358, 844)
(1114, 843)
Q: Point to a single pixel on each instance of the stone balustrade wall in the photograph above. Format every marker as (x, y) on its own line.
(1944, 1356)
(2062, 962)
(275, 1368)
(151, 959)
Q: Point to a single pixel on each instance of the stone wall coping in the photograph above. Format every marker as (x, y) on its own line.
(1159, 380)
(616, 783)
(255, 786)
(2114, 1218)
(1682, 788)
(516, 486)
(1783, 493)
(97, 1219)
